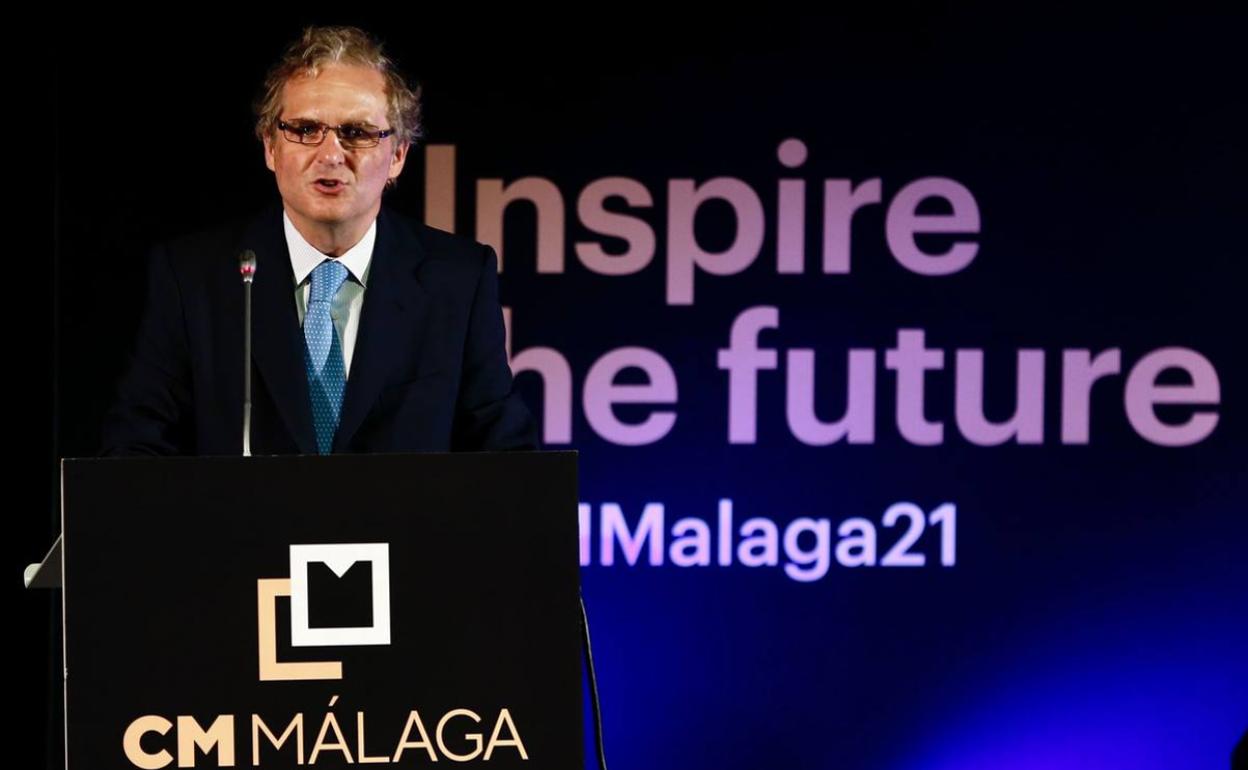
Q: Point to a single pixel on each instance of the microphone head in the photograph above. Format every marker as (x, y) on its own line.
(247, 265)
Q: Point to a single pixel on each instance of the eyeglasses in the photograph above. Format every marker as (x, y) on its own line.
(352, 136)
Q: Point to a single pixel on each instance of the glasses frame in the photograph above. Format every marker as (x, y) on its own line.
(323, 132)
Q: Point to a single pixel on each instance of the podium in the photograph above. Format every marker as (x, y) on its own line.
(336, 611)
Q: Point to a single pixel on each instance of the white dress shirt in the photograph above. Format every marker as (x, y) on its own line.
(349, 301)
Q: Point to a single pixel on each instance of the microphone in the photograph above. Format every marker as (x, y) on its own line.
(247, 269)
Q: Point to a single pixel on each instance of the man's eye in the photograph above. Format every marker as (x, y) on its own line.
(353, 132)
(306, 129)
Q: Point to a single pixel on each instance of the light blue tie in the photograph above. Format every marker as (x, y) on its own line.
(322, 353)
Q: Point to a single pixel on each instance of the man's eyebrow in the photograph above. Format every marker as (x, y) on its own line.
(364, 122)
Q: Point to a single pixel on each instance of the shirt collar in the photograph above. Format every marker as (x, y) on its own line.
(304, 257)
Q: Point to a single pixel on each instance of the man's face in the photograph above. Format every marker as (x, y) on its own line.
(326, 185)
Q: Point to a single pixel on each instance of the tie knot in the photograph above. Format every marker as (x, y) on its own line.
(327, 278)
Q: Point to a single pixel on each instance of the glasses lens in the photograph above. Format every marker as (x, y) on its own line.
(303, 131)
(356, 137)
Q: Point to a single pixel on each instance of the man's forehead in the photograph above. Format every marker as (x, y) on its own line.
(348, 91)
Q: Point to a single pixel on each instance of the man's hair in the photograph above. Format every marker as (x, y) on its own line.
(320, 46)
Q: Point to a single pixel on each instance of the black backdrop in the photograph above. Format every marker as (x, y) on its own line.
(1095, 614)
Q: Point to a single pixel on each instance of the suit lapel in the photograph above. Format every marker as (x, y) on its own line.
(277, 346)
(394, 302)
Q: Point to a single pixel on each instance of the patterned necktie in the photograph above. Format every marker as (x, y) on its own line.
(322, 353)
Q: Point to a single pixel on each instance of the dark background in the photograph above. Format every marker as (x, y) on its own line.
(1096, 617)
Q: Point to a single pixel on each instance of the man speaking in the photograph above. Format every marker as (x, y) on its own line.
(371, 331)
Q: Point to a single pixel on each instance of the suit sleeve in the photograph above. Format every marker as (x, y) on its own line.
(489, 414)
(151, 413)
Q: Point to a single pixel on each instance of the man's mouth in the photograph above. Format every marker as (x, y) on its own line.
(329, 186)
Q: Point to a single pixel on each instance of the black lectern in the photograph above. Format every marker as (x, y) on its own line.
(406, 610)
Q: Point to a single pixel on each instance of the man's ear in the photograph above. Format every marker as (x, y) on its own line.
(397, 161)
(268, 153)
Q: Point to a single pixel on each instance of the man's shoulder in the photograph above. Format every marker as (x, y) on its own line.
(434, 243)
(207, 248)
(209, 239)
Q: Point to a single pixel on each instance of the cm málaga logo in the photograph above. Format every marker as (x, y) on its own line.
(339, 558)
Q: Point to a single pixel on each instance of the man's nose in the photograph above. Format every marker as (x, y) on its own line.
(330, 151)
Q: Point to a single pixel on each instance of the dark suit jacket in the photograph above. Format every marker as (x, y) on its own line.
(429, 370)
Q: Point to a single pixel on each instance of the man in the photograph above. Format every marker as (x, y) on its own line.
(371, 331)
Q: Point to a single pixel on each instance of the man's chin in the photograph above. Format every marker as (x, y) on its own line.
(330, 216)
